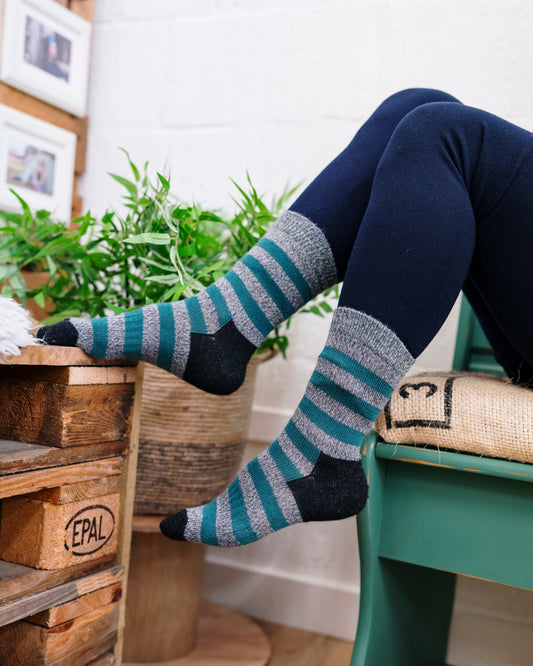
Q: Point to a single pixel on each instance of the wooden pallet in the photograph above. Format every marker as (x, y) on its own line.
(67, 480)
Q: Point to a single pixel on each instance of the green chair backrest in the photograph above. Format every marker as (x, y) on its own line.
(472, 350)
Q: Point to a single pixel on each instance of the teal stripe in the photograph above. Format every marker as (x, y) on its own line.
(357, 370)
(223, 312)
(242, 528)
(133, 334)
(300, 441)
(99, 347)
(266, 495)
(347, 398)
(276, 294)
(283, 462)
(167, 330)
(292, 271)
(208, 531)
(196, 316)
(328, 424)
(251, 308)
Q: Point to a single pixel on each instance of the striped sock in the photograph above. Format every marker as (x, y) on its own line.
(209, 338)
(313, 470)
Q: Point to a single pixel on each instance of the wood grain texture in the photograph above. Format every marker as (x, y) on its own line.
(78, 491)
(107, 659)
(227, 637)
(73, 375)
(303, 648)
(44, 602)
(55, 536)
(127, 497)
(25, 482)
(45, 355)
(18, 581)
(71, 610)
(75, 642)
(42, 412)
(162, 571)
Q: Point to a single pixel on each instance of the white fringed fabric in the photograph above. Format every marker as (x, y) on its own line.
(15, 328)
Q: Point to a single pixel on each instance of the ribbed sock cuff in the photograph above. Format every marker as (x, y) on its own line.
(378, 337)
(312, 241)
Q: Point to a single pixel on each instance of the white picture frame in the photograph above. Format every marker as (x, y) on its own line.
(37, 162)
(45, 52)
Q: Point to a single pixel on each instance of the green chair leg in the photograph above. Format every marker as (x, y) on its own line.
(404, 616)
(405, 609)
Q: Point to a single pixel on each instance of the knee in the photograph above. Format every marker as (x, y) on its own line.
(411, 98)
(432, 122)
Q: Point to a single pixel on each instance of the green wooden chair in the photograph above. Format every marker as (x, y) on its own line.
(432, 515)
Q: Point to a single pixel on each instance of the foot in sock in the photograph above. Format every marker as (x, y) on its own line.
(313, 470)
(209, 338)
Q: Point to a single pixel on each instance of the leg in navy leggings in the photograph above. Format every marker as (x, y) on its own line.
(451, 207)
(337, 198)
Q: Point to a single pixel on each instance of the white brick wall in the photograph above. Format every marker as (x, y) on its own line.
(278, 87)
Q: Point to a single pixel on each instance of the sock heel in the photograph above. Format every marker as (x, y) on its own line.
(210, 367)
(335, 489)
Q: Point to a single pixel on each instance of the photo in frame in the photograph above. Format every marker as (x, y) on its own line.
(37, 162)
(45, 52)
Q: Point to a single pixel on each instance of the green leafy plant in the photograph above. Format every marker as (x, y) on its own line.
(156, 249)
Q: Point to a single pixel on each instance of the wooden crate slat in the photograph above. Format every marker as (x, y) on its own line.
(22, 457)
(78, 491)
(73, 375)
(41, 604)
(75, 642)
(51, 477)
(72, 609)
(42, 412)
(44, 355)
(18, 581)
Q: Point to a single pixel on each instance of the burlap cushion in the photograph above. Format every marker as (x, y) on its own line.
(468, 412)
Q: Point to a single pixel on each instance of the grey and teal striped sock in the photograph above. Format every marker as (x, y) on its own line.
(313, 470)
(208, 339)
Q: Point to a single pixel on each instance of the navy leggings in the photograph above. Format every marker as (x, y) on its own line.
(431, 197)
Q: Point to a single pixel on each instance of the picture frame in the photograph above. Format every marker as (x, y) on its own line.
(37, 162)
(45, 52)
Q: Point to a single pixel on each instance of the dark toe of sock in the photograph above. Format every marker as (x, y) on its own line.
(63, 334)
(173, 526)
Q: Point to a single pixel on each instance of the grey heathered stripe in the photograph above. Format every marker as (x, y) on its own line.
(240, 318)
(151, 333)
(366, 330)
(329, 445)
(182, 338)
(254, 506)
(224, 527)
(285, 498)
(337, 411)
(279, 276)
(259, 294)
(350, 383)
(85, 333)
(312, 242)
(193, 527)
(294, 455)
(209, 312)
(367, 357)
(300, 260)
(115, 336)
